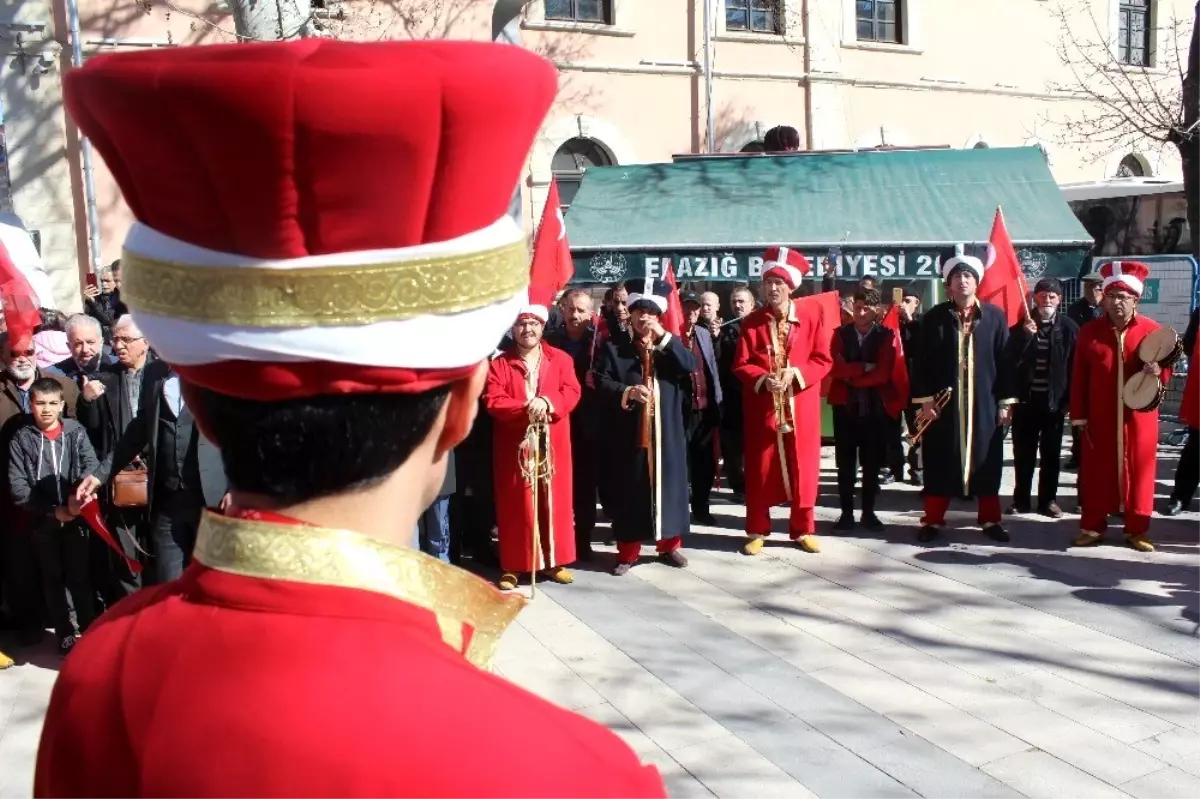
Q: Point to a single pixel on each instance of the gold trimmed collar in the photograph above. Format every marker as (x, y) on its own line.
(324, 556)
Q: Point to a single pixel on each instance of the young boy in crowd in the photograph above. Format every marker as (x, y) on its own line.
(48, 457)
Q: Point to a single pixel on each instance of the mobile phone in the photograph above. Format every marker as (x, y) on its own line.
(91, 280)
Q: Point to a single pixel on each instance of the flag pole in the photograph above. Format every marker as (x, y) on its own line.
(1026, 297)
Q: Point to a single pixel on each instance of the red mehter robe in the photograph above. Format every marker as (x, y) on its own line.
(808, 351)
(293, 661)
(1119, 446)
(505, 398)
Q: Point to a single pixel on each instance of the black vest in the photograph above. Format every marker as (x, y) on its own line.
(862, 401)
(176, 465)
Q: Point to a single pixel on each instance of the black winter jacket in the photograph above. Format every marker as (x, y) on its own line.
(43, 473)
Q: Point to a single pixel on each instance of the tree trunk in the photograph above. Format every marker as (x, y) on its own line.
(1188, 136)
(272, 20)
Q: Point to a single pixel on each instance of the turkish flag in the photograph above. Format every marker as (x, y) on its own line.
(830, 303)
(552, 266)
(899, 368)
(21, 307)
(672, 320)
(1003, 283)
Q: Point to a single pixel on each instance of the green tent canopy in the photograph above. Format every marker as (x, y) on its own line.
(893, 213)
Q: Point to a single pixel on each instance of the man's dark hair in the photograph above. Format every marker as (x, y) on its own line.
(303, 449)
(571, 294)
(743, 289)
(52, 320)
(45, 387)
(781, 139)
(869, 297)
(115, 266)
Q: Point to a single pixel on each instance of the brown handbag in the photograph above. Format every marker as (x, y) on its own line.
(129, 488)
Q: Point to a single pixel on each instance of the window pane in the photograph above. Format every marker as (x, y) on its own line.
(866, 30)
(866, 8)
(886, 32)
(763, 5)
(558, 9)
(1137, 57)
(762, 21)
(568, 187)
(886, 11)
(590, 10)
(736, 18)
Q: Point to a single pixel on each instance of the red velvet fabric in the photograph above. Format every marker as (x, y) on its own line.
(222, 685)
(315, 146)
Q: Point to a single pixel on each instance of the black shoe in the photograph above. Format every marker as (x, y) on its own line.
(705, 518)
(872, 522)
(887, 478)
(1017, 507)
(845, 522)
(66, 644)
(916, 478)
(738, 497)
(621, 569)
(928, 533)
(1051, 510)
(1174, 508)
(673, 558)
(997, 533)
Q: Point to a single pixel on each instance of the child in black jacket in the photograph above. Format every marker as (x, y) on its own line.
(48, 457)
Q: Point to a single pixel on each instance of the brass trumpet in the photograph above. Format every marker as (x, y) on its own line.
(940, 400)
(784, 423)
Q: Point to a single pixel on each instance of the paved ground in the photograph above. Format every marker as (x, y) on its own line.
(877, 668)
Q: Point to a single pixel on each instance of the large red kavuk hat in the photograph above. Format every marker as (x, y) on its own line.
(787, 264)
(1127, 275)
(319, 217)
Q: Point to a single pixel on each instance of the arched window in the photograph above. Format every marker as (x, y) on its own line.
(569, 162)
(1131, 167)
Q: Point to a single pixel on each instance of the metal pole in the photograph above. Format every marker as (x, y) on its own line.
(708, 85)
(85, 148)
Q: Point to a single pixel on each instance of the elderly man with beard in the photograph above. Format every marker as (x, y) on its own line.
(531, 391)
(108, 405)
(1042, 351)
(17, 357)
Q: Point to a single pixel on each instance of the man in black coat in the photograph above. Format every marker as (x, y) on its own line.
(701, 409)
(185, 469)
(577, 337)
(1042, 351)
(1187, 473)
(963, 350)
(1082, 311)
(732, 445)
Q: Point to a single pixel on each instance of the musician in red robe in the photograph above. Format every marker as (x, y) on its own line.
(326, 260)
(531, 391)
(1119, 445)
(782, 357)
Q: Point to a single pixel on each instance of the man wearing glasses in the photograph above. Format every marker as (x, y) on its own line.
(18, 371)
(108, 404)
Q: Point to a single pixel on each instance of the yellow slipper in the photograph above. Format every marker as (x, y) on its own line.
(1140, 543)
(809, 543)
(753, 546)
(559, 575)
(508, 581)
(5, 661)
(1087, 539)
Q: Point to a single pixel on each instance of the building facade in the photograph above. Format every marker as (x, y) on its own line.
(640, 81)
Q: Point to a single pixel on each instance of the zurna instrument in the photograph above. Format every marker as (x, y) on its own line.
(646, 434)
(784, 423)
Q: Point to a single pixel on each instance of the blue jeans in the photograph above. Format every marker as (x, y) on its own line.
(434, 529)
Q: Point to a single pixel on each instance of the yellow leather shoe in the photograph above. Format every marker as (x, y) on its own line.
(753, 546)
(809, 543)
(559, 575)
(1087, 539)
(5, 661)
(508, 581)
(1140, 543)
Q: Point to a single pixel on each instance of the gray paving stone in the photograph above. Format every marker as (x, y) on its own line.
(1042, 776)
(821, 765)
(1170, 783)
(729, 767)
(679, 782)
(933, 772)
(1179, 747)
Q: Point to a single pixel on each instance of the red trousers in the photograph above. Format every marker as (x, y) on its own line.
(801, 521)
(935, 510)
(1135, 523)
(628, 551)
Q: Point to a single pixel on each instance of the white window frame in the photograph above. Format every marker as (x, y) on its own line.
(793, 25)
(622, 20)
(1156, 37)
(910, 29)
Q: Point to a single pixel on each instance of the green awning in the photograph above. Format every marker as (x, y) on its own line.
(894, 214)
